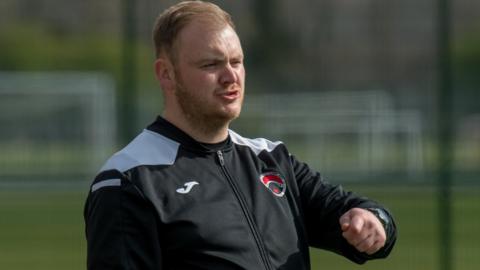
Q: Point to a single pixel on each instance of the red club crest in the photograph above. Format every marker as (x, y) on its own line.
(274, 182)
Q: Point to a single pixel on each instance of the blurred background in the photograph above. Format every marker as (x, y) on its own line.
(380, 96)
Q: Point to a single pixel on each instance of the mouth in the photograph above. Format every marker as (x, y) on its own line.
(230, 95)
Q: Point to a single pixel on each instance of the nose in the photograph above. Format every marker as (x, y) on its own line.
(228, 76)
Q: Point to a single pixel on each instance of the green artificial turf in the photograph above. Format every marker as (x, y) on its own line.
(45, 230)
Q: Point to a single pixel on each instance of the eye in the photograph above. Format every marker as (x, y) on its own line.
(236, 62)
(209, 64)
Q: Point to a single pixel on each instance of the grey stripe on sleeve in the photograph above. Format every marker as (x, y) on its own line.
(106, 183)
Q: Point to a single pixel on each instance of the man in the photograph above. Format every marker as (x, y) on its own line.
(188, 193)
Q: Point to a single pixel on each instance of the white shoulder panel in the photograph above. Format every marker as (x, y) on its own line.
(257, 145)
(148, 148)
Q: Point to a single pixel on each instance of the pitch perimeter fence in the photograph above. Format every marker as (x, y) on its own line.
(58, 128)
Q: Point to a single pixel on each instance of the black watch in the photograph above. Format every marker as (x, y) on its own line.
(381, 215)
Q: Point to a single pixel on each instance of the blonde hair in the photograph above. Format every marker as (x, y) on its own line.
(170, 22)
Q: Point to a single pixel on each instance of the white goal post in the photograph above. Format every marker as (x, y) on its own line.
(347, 132)
(55, 126)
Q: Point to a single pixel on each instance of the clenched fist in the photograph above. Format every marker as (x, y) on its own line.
(363, 230)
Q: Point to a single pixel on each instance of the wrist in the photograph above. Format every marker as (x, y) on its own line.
(381, 215)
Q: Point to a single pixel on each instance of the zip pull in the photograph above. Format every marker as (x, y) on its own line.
(220, 157)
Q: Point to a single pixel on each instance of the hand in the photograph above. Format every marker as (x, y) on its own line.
(363, 230)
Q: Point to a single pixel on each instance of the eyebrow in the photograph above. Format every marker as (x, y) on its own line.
(216, 58)
(210, 59)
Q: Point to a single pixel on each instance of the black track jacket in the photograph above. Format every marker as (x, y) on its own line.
(167, 201)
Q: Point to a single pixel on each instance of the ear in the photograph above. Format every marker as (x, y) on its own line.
(165, 74)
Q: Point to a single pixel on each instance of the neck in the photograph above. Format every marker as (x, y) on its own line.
(208, 131)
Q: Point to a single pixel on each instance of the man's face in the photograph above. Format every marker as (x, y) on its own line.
(209, 74)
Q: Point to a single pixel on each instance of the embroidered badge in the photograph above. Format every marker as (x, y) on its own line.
(274, 182)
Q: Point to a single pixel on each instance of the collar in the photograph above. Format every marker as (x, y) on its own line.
(167, 129)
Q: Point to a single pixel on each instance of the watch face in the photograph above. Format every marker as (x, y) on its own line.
(381, 215)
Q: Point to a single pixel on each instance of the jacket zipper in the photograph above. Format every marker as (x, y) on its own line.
(246, 212)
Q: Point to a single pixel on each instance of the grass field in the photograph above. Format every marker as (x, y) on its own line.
(44, 230)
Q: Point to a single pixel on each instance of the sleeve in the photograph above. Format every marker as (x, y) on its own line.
(323, 204)
(121, 226)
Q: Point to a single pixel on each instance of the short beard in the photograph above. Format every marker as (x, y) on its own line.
(199, 119)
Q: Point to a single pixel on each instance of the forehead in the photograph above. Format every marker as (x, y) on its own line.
(199, 39)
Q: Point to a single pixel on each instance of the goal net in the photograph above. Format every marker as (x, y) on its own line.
(351, 134)
(55, 127)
